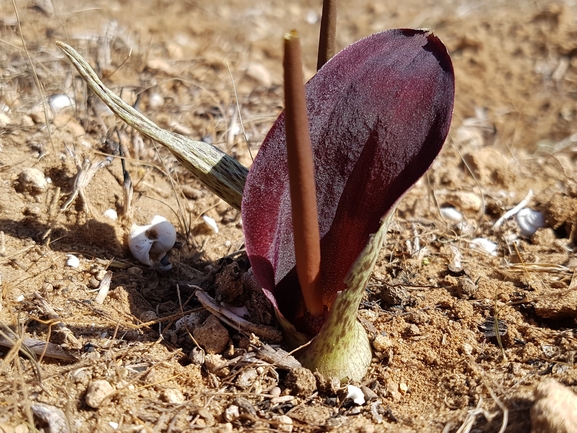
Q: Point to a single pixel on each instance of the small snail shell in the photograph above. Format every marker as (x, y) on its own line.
(529, 221)
(150, 243)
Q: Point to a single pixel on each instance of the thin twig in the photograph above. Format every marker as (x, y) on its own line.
(267, 332)
(522, 204)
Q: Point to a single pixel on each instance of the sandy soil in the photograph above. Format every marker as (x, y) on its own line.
(434, 299)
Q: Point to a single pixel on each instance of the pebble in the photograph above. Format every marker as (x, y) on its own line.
(231, 413)
(246, 378)
(97, 392)
(148, 316)
(369, 393)
(211, 335)
(53, 417)
(301, 382)
(467, 201)
(190, 321)
(555, 408)
(32, 181)
(172, 395)
(381, 343)
(283, 423)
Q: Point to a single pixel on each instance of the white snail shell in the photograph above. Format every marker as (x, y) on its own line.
(484, 245)
(530, 221)
(150, 243)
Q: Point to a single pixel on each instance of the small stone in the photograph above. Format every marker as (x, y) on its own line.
(369, 393)
(555, 408)
(382, 343)
(190, 321)
(301, 382)
(206, 415)
(283, 423)
(467, 349)
(231, 413)
(148, 316)
(412, 330)
(403, 388)
(466, 201)
(246, 378)
(544, 237)
(31, 181)
(171, 395)
(394, 295)
(52, 417)
(97, 392)
(211, 335)
(134, 270)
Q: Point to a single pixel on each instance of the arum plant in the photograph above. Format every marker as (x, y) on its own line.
(379, 112)
(319, 196)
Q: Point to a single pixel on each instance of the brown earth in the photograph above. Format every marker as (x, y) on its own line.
(433, 301)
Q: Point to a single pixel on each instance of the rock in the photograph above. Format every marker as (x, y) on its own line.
(31, 181)
(553, 303)
(555, 408)
(97, 392)
(282, 423)
(211, 335)
(394, 295)
(465, 201)
(171, 395)
(53, 417)
(301, 382)
(246, 378)
(231, 413)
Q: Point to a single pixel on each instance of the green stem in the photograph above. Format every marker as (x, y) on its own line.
(301, 178)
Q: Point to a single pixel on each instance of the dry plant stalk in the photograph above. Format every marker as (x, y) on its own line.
(221, 173)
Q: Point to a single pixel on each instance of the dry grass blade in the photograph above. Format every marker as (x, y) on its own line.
(38, 348)
(221, 173)
(267, 332)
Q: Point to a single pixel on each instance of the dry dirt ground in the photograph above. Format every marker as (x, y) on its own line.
(435, 300)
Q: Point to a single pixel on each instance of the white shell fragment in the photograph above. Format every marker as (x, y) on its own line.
(451, 214)
(72, 261)
(530, 221)
(211, 223)
(484, 245)
(60, 102)
(150, 243)
(355, 394)
(111, 214)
